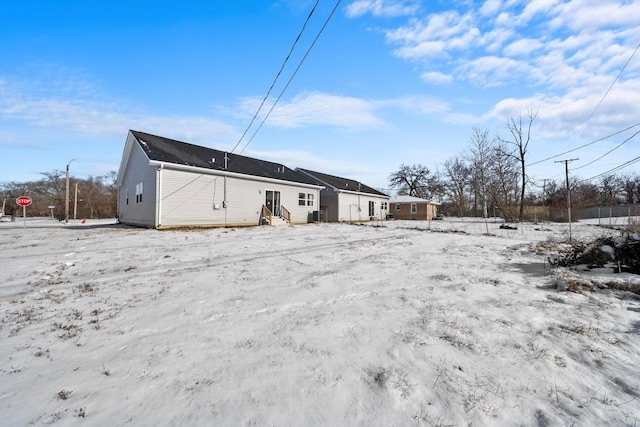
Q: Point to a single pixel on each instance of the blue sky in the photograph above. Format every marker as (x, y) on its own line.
(387, 82)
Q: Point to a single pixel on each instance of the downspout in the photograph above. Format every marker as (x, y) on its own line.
(224, 199)
(159, 195)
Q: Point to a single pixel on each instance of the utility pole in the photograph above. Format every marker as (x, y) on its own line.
(66, 206)
(566, 168)
(544, 195)
(75, 202)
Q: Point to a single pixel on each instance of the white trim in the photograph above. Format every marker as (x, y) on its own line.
(159, 195)
(232, 174)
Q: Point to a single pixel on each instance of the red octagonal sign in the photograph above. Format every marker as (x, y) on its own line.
(23, 201)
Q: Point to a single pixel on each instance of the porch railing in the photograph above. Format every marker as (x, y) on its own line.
(266, 214)
(284, 212)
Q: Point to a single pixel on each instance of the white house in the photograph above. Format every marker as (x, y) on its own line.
(347, 200)
(166, 183)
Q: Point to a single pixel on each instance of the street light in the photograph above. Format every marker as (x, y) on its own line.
(66, 208)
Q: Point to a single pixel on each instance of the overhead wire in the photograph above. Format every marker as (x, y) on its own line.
(304, 26)
(608, 90)
(593, 112)
(585, 145)
(293, 75)
(615, 169)
(608, 152)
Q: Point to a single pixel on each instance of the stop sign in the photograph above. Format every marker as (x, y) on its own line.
(23, 201)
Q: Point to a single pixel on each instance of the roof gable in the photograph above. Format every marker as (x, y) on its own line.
(167, 150)
(339, 183)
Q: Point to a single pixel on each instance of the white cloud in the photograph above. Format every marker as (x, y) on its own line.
(321, 109)
(422, 105)
(494, 39)
(580, 15)
(491, 71)
(381, 8)
(535, 7)
(490, 7)
(72, 113)
(522, 47)
(565, 115)
(435, 36)
(436, 77)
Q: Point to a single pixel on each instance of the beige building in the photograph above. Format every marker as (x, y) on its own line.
(409, 207)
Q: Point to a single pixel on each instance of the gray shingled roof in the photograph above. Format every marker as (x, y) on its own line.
(340, 183)
(181, 153)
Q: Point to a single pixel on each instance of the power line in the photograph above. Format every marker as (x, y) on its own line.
(608, 152)
(585, 145)
(608, 90)
(615, 169)
(292, 76)
(593, 112)
(277, 76)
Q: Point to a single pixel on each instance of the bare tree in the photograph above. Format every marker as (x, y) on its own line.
(610, 190)
(630, 183)
(503, 183)
(411, 180)
(97, 196)
(436, 186)
(521, 138)
(457, 172)
(479, 157)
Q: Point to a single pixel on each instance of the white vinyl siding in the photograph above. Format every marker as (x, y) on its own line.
(138, 174)
(355, 206)
(190, 198)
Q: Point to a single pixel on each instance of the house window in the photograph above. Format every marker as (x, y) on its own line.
(126, 196)
(414, 208)
(305, 199)
(397, 206)
(372, 208)
(383, 206)
(139, 193)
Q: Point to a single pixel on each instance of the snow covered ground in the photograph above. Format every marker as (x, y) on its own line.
(453, 322)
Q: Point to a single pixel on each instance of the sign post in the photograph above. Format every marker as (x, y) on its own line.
(24, 201)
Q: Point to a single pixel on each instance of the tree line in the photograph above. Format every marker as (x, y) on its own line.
(96, 197)
(489, 177)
